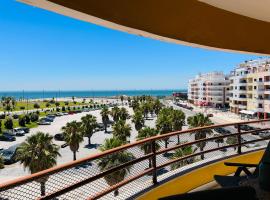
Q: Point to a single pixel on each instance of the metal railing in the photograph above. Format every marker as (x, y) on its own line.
(84, 179)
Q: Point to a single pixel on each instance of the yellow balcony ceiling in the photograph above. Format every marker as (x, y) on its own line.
(237, 25)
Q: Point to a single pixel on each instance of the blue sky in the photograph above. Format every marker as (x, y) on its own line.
(43, 50)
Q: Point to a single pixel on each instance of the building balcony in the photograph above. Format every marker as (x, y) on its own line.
(82, 179)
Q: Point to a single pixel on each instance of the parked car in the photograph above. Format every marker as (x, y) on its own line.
(245, 127)
(47, 119)
(6, 137)
(264, 134)
(100, 127)
(9, 155)
(222, 131)
(59, 137)
(25, 129)
(59, 114)
(51, 116)
(250, 145)
(42, 122)
(18, 132)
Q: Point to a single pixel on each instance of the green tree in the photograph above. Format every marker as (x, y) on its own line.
(38, 153)
(199, 120)
(89, 123)
(9, 123)
(180, 153)
(145, 106)
(48, 105)
(164, 123)
(36, 105)
(138, 120)
(121, 130)
(135, 104)
(57, 104)
(123, 114)
(122, 99)
(73, 136)
(147, 147)
(114, 160)
(105, 117)
(157, 106)
(178, 121)
(115, 113)
(22, 120)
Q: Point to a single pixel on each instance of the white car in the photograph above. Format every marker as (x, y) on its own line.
(44, 123)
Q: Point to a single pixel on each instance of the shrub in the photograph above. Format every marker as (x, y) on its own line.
(74, 108)
(8, 123)
(34, 117)
(3, 116)
(36, 105)
(27, 119)
(66, 103)
(75, 102)
(22, 107)
(57, 104)
(63, 108)
(15, 116)
(0, 126)
(57, 109)
(22, 120)
(37, 112)
(68, 108)
(48, 105)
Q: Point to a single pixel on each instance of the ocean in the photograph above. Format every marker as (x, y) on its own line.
(101, 93)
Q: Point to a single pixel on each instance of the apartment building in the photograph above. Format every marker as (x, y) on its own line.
(211, 89)
(250, 88)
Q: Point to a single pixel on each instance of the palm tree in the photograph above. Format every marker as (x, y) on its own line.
(73, 136)
(114, 160)
(135, 104)
(157, 106)
(122, 99)
(199, 120)
(115, 113)
(182, 152)
(123, 114)
(145, 106)
(147, 147)
(178, 121)
(38, 153)
(121, 130)
(164, 123)
(73, 99)
(105, 117)
(138, 120)
(89, 123)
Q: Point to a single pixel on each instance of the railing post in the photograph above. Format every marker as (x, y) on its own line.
(154, 161)
(239, 139)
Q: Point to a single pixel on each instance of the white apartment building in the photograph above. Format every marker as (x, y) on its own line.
(250, 88)
(211, 89)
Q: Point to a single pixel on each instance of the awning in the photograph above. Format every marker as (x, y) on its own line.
(237, 25)
(247, 112)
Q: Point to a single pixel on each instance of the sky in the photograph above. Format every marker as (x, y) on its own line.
(44, 50)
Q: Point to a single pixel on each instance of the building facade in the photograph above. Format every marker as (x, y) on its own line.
(250, 88)
(211, 89)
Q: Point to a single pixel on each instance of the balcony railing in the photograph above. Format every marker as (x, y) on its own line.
(82, 179)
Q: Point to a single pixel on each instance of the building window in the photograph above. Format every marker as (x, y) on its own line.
(255, 87)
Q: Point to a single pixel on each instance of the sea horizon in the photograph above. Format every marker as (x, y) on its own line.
(35, 94)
